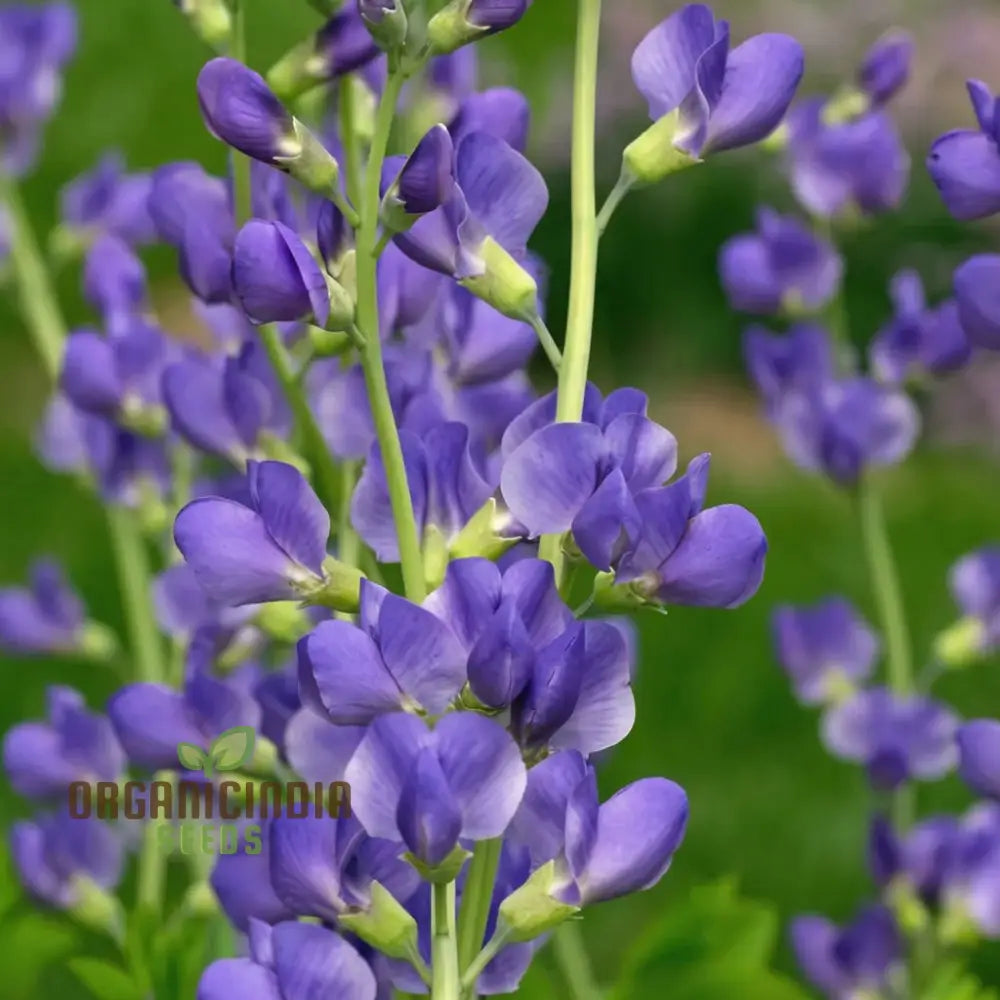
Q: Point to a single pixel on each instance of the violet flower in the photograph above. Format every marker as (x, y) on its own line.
(844, 963)
(979, 756)
(827, 649)
(42, 759)
(896, 738)
(114, 282)
(919, 340)
(271, 550)
(291, 961)
(783, 266)
(45, 617)
(424, 182)
(976, 284)
(703, 96)
(886, 67)
(974, 582)
(428, 788)
(460, 22)
(501, 111)
(779, 364)
(965, 163)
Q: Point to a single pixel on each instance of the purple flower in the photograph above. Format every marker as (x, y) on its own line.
(979, 756)
(446, 487)
(783, 266)
(976, 283)
(896, 738)
(105, 199)
(115, 377)
(42, 759)
(501, 111)
(974, 582)
(705, 97)
(827, 649)
(46, 617)
(479, 236)
(271, 550)
(886, 67)
(844, 963)
(58, 858)
(343, 45)
(846, 426)
(965, 163)
(291, 961)
(276, 278)
(464, 21)
(799, 361)
(114, 282)
(228, 409)
(860, 164)
(424, 182)
(398, 656)
(919, 340)
(152, 719)
(182, 606)
(428, 788)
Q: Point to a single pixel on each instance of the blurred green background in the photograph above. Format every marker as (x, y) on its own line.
(714, 711)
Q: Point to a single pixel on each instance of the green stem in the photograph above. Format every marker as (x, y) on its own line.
(324, 468)
(892, 614)
(492, 948)
(477, 895)
(152, 871)
(371, 354)
(37, 297)
(445, 983)
(242, 197)
(134, 581)
(583, 271)
(547, 341)
(618, 192)
(574, 963)
(353, 167)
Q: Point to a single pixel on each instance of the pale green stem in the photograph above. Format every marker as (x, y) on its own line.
(353, 167)
(583, 272)
(547, 341)
(445, 984)
(324, 469)
(892, 614)
(477, 894)
(574, 963)
(134, 581)
(618, 192)
(152, 866)
(491, 949)
(371, 354)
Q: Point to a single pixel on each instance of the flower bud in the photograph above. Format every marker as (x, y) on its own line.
(211, 20)
(464, 21)
(424, 183)
(97, 908)
(386, 20)
(962, 644)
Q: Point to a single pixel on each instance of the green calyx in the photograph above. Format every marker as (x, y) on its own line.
(385, 924)
(447, 871)
(532, 910)
(450, 28)
(504, 284)
(653, 156)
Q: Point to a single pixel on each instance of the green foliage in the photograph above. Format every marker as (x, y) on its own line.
(104, 980)
(715, 946)
(953, 983)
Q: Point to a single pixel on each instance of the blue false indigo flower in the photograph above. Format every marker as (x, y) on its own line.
(858, 960)
(272, 549)
(114, 282)
(317, 750)
(227, 410)
(117, 377)
(976, 283)
(386, 20)
(479, 236)
(965, 163)
(974, 582)
(799, 361)
(291, 961)
(399, 656)
(463, 21)
(846, 426)
(919, 340)
(501, 111)
(277, 279)
(424, 183)
(979, 756)
(344, 44)
(182, 607)
(211, 20)
(827, 649)
(896, 738)
(106, 199)
(429, 788)
(42, 759)
(151, 719)
(859, 165)
(239, 108)
(45, 617)
(703, 96)
(70, 864)
(886, 67)
(783, 266)
(447, 488)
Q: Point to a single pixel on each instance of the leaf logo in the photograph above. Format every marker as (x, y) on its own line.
(230, 751)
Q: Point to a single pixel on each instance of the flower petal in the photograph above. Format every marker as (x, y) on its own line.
(965, 166)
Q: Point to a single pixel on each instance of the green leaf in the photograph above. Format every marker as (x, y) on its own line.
(104, 980)
(191, 756)
(233, 748)
(952, 982)
(714, 946)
